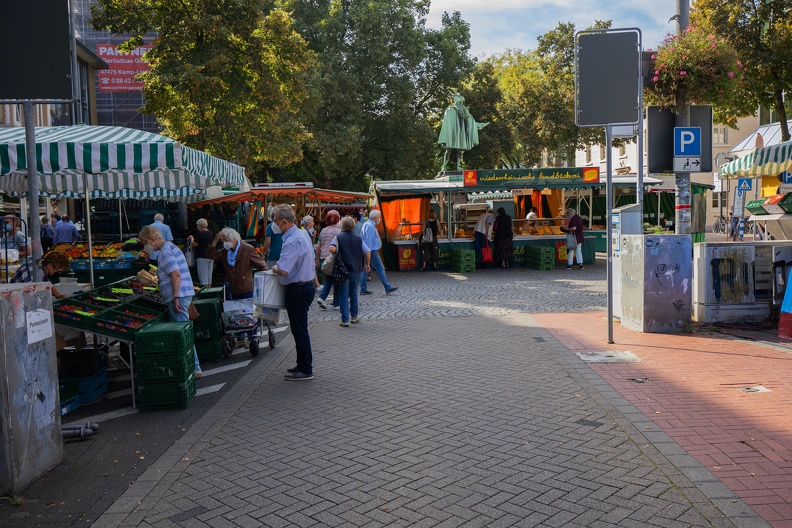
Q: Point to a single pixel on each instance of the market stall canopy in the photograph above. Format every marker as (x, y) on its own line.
(309, 192)
(110, 162)
(771, 135)
(765, 161)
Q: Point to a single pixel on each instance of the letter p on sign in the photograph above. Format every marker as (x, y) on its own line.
(687, 142)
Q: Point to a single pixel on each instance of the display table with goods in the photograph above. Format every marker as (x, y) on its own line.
(131, 311)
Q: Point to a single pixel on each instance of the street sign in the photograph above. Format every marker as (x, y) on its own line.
(744, 184)
(687, 142)
(687, 164)
(786, 177)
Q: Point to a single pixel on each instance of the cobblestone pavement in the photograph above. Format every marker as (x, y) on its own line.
(446, 406)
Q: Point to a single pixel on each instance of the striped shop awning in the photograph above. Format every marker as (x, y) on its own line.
(765, 161)
(115, 160)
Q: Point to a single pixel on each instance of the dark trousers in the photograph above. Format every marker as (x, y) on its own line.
(298, 300)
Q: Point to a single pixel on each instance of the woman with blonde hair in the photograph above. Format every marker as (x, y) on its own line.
(238, 258)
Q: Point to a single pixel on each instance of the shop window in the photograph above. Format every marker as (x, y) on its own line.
(720, 135)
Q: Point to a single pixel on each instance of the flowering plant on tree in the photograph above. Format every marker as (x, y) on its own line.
(699, 68)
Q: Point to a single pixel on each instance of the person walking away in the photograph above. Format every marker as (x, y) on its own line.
(482, 233)
(372, 239)
(46, 235)
(159, 223)
(307, 223)
(200, 243)
(575, 226)
(295, 270)
(238, 258)
(356, 256)
(430, 249)
(175, 283)
(326, 236)
(65, 232)
(273, 242)
(503, 239)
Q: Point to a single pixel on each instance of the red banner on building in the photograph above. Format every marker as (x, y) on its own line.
(470, 178)
(124, 67)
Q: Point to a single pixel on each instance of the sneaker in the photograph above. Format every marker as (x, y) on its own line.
(365, 292)
(355, 320)
(294, 369)
(298, 376)
(322, 304)
(198, 374)
(581, 267)
(392, 290)
(569, 267)
(342, 323)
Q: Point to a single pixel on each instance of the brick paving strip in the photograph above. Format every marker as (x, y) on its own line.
(486, 420)
(693, 394)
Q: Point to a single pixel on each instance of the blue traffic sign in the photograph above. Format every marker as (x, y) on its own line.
(744, 184)
(786, 177)
(687, 141)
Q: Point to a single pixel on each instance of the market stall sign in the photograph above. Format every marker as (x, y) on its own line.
(506, 178)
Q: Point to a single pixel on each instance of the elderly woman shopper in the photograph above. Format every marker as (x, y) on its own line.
(356, 256)
(175, 283)
(503, 239)
(326, 236)
(238, 259)
(574, 226)
(200, 241)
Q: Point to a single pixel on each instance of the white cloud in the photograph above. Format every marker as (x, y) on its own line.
(496, 25)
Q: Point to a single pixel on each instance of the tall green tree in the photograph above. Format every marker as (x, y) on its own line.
(383, 81)
(231, 77)
(761, 33)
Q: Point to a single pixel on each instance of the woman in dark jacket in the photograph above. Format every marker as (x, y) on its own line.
(503, 239)
(238, 259)
(430, 249)
(356, 257)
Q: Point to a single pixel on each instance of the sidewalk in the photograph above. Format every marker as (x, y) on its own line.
(460, 401)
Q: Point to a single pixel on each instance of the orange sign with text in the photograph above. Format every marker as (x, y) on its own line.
(591, 175)
(408, 258)
(470, 178)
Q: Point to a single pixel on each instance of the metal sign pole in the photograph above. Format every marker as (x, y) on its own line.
(608, 216)
(33, 190)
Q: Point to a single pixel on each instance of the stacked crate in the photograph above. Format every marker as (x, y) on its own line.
(208, 329)
(165, 365)
(463, 261)
(540, 257)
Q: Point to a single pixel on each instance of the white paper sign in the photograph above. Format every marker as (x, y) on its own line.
(39, 325)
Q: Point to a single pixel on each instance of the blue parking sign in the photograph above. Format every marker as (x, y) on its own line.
(687, 142)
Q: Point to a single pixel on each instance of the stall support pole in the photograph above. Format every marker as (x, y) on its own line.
(609, 223)
(88, 228)
(33, 189)
(120, 222)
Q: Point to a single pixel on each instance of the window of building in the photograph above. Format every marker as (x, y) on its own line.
(602, 153)
(720, 135)
(588, 154)
(622, 151)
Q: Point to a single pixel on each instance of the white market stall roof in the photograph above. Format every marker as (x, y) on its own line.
(764, 161)
(113, 162)
(771, 135)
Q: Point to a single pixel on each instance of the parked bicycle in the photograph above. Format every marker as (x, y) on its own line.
(721, 226)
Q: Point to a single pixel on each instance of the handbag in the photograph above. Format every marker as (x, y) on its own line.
(428, 236)
(340, 271)
(189, 256)
(329, 263)
(571, 241)
(486, 255)
(192, 312)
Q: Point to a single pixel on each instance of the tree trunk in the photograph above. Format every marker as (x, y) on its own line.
(782, 115)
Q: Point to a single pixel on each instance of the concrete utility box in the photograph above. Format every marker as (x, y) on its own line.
(657, 278)
(30, 418)
(626, 220)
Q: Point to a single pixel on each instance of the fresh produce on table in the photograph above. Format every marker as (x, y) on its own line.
(111, 251)
(141, 315)
(76, 250)
(78, 309)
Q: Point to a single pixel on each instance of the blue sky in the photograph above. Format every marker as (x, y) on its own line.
(496, 25)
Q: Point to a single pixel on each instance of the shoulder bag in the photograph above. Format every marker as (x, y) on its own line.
(329, 263)
(428, 236)
(192, 312)
(340, 271)
(571, 241)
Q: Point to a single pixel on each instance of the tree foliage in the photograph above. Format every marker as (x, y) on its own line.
(227, 76)
(761, 33)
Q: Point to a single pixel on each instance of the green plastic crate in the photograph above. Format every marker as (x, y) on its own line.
(148, 305)
(209, 350)
(207, 331)
(786, 203)
(68, 390)
(211, 293)
(159, 337)
(141, 312)
(208, 309)
(70, 318)
(755, 207)
(166, 395)
(174, 366)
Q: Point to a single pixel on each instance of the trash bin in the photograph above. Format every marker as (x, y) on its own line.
(406, 255)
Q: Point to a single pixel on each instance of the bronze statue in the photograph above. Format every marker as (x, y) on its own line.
(459, 131)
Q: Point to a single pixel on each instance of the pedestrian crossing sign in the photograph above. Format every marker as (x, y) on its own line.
(744, 184)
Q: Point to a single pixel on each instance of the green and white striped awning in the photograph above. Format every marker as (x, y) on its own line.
(118, 162)
(766, 161)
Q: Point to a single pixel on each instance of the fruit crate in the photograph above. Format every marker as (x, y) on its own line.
(68, 390)
(141, 312)
(208, 309)
(69, 405)
(75, 314)
(147, 305)
(211, 293)
(463, 268)
(786, 203)
(755, 207)
(209, 350)
(166, 395)
(115, 323)
(160, 337)
(175, 366)
(463, 255)
(91, 387)
(207, 331)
